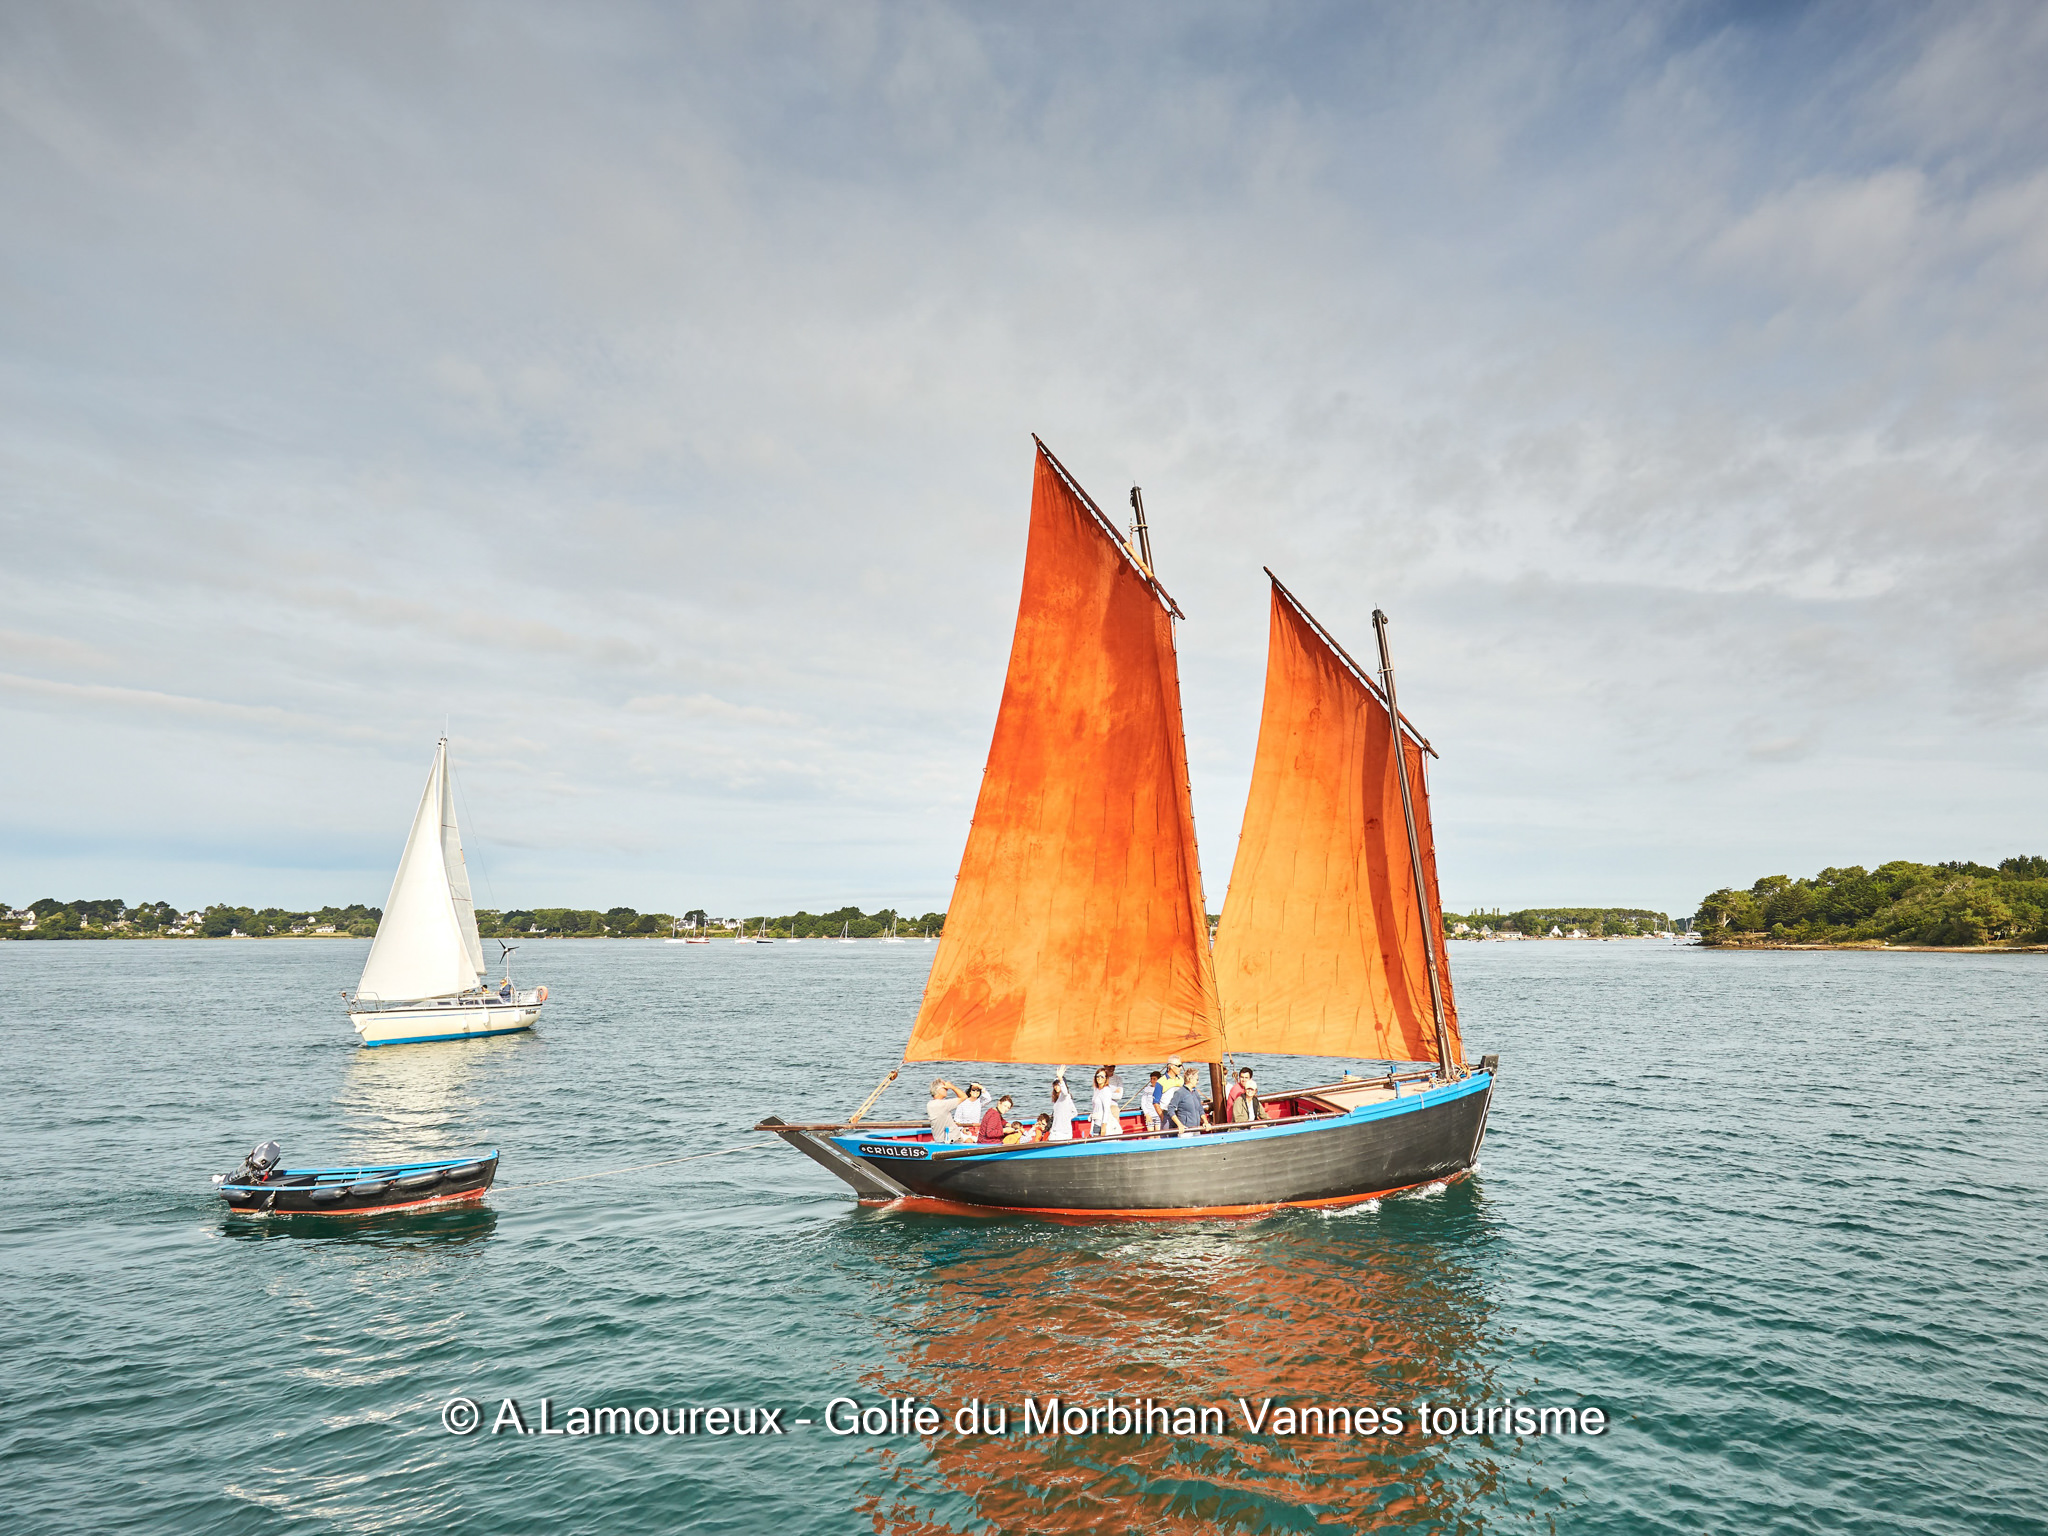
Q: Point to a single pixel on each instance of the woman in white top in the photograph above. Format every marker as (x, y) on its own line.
(968, 1112)
(1102, 1105)
(1064, 1111)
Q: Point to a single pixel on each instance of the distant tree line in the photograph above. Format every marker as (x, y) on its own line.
(624, 922)
(115, 918)
(1959, 903)
(1536, 922)
(112, 918)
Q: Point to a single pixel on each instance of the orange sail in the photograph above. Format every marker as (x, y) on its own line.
(1321, 950)
(1076, 931)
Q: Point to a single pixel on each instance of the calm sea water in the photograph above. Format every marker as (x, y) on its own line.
(1783, 1217)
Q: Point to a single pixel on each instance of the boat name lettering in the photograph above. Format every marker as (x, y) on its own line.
(890, 1149)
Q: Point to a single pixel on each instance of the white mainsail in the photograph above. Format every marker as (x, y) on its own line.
(427, 944)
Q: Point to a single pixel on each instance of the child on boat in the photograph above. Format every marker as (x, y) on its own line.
(1152, 1102)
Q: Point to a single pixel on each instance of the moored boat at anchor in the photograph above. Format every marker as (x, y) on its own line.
(261, 1188)
(1078, 930)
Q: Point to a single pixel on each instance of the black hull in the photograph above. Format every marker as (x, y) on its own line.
(362, 1191)
(1322, 1162)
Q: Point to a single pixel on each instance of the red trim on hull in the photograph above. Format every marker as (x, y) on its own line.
(372, 1210)
(927, 1205)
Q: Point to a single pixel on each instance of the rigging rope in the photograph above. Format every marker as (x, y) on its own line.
(868, 1103)
(608, 1173)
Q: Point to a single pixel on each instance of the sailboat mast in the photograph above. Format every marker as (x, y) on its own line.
(1138, 527)
(1429, 936)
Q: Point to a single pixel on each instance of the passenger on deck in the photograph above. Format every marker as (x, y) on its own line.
(1115, 1085)
(1152, 1102)
(1102, 1106)
(1064, 1111)
(939, 1109)
(1244, 1098)
(1041, 1131)
(1184, 1108)
(996, 1123)
(968, 1112)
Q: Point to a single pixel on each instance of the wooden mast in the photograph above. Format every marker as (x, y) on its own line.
(1141, 537)
(1429, 937)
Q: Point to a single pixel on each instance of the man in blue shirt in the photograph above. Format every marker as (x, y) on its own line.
(1184, 1106)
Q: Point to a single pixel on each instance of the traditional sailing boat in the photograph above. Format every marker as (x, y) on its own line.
(424, 979)
(1078, 929)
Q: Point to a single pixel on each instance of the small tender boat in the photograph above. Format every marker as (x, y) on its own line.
(260, 1187)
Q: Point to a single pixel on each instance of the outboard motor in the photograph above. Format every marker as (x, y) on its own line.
(257, 1165)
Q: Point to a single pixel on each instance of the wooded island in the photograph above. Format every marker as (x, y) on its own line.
(1959, 904)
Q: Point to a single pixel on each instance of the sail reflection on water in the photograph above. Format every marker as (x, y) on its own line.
(1371, 1309)
(416, 1102)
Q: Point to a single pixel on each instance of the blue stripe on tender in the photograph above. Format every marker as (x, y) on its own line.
(1093, 1146)
(468, 1034)
(356, 1173)
(351, 1175)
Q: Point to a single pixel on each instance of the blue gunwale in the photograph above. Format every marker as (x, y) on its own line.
(1109, 1146)
(351, 1175)
(467, 1034)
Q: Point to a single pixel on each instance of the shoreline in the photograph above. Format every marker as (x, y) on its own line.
(1879, 947)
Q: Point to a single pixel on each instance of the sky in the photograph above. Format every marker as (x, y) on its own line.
(643, 395)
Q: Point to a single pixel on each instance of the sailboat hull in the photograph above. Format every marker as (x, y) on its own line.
(1418, 1139)
(465, 1018)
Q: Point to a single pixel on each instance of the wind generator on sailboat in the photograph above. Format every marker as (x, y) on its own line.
(1078, 930)
(424, 979)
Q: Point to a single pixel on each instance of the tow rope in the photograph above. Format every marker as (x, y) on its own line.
(610, 1173)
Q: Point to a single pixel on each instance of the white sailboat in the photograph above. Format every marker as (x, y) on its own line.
(846, 934)
(890, 936)
(424, 979)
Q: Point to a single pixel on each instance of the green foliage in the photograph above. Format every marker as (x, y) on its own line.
(1956, 903)
(1536, 922)
(223, 922)
(111, 918)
